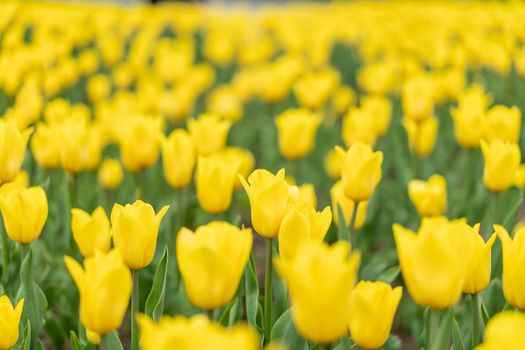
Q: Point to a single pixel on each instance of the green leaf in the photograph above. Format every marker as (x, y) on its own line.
(26, 342)
(251, 286)
(155, 301)
(113, 341)
(75, 343)
(442, 340)
(225, 317)
(457, 339)
(55, 331)
(389, 275)
(284, 330)
(344, 344)
(35, 302)
(484, 313)
(393, 343)
(342, 230)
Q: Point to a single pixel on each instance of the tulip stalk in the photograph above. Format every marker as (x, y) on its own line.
(135, 311)
(351, 232)
(268, 291)
(432, 327)
(476, 305)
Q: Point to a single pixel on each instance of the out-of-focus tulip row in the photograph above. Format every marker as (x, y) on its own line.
(313, 176)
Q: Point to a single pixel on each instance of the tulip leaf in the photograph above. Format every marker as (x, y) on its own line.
(155, 301)
(457, 339)
(55, 331)
(442, 340)
(344, 344)
(26, 337)
(484, 313)
(284, 330)
(252, 293)
(35, 302)
(231, 307)
(75, 343)
(511, 209)
(112, 341)
(389, 275)
(342, 230)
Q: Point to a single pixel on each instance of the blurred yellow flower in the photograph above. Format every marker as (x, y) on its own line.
(429, 197)
(297, 130)
(13, 146)
(502, 123)
(421, 135)
(110, 174)
(502, 161)
(178, 158)
(504, 331)
(209, 133)
(338, 198)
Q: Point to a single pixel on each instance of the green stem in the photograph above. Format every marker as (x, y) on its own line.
(495, 214)
(5, 255)
(139, 184)
(134, 311)
(432, 327)
(351, 231)
(210, 314)
(23, 252)
(103, 343)
(475, 319)
(268, 291)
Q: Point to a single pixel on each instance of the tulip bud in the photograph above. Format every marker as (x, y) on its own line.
(504, 331)
(268, 195)
(503, 123)
(429, 197)
(320, 310)
(91, 232)
(478, 272)
(135, 228)
(104, 285)
(502, 161)
(360, 171)
(433, 261)
(178, 158)
(25, 212)
(421, 135)
(339, 199)
(513, 265)
(297, 129)
(13, 146)
(209, 133)
(45, 146)
(9, 319)
(110, 174)
(372, 309)
(215, 179)
(212, 261)
(300, 225)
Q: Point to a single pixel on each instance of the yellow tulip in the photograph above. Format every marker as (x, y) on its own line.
(25, 212)
(433, 261)
(91, 232)
(194, 333)
(225, 101)
(421, 135)
(379, 109)
(418, 98)
(359, 126)
(45, 146)
(268, 195)
(313, 89)
(429, 197)
(307, 195)
(502, 123)
(9, 321)
(478, 272)
(519, 177)
(502, 161)
(513, 264)
(242, 156)
(338, 198)
(320, 279)
(212, 261)
(343, 99)
(104, 285)
(110, 174)
(372, 309)
(135, 228)
(468, 125)
(214, 180)
(332, 165)
(178, 158)
(297, 129)
(80, 146)
(209, 133)
(360, 171)
(12, 150)
(300, 225)
(138, 140)
(98, 87)
(504, 331)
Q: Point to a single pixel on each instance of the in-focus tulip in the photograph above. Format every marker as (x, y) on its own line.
(215, 179)
(269, 197)
(513, 265)
(504, 331)
(502, 161)
(194, 333)
(135, 228)
(178, 158)
(9, 321)
(300, 225)
(478, 272)
(421, 135)
(212, 261)
(429, 197)
(104, 285)
(360, 171)
(209, 133)
(320, 279)
(13, 145)
(110, 174)
(297, 129)
(372, 309)
(91, 232)
(45, 146)
(25, 212)
(338, 197)
(433, 261)
(503, 123)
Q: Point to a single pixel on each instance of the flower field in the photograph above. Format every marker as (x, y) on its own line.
(299, 176)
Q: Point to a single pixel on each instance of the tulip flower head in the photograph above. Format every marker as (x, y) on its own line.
(91, 232)
(297, 129)
(209, 133)
(504, 331)
(9, 321)
(110, 174)
(502, 161)
(429, 197)
(178, 158)
(12, 150)
(339, 199)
